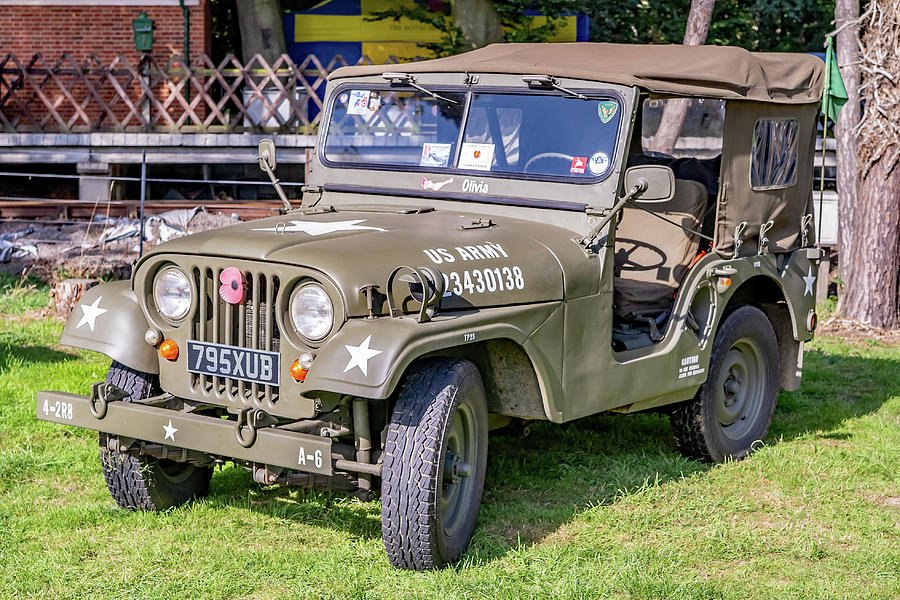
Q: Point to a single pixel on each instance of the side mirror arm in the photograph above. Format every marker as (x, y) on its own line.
(635, 192)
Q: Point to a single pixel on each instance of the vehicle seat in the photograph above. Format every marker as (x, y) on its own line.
(652, 256)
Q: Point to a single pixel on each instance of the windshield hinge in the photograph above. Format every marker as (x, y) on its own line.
(479, 224)
(310, 195)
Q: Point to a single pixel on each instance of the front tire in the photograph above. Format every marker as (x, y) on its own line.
(434, 462)
(733, 409)
(143, 482)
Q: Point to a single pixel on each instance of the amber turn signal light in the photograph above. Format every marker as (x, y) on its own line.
(168, 350)
(300, 367)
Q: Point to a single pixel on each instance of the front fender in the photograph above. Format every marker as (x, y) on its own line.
(107, 319)
(367, 357)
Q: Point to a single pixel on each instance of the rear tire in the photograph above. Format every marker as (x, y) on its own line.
(434, 462)
(733, 409)
(143, 482)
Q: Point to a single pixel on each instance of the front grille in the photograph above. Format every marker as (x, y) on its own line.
(250, 324)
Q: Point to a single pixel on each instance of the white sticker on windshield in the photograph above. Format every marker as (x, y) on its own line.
(359, 102)
(476, 156)
(435, 155)
(599, 163)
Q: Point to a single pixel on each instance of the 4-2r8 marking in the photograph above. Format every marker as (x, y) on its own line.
(58, 410)
(479, 281)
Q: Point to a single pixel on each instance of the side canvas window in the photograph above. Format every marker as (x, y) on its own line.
(773, 162)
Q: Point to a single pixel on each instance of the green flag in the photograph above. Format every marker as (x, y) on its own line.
(835, 95)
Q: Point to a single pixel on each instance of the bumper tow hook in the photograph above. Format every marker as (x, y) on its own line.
(248, 421)
(102, 393)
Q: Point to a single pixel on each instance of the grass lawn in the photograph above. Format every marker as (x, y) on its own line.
(601, 508)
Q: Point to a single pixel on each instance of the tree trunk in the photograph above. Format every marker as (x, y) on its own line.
(873, 259)
(845, 12)
(479, 22)
(68, 292)
(262, 31)
(676, 110)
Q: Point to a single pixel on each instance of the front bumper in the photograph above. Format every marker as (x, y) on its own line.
(179, 429)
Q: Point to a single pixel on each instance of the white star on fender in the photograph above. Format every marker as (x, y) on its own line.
(321, 227)
(90, 312)
(170, 431)
(809, 281)
(360, 355)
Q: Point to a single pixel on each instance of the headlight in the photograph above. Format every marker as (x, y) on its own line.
(172, 293)
(312, 311)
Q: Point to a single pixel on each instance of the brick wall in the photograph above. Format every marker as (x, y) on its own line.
(54, 28)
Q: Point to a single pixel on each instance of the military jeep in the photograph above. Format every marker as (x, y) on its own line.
(482, 238)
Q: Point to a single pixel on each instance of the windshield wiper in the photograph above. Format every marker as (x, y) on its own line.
(550, 82)
(407, 79)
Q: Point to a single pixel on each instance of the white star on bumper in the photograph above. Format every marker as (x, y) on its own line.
(315, 228)
(360, 355)
(170, 431)
(90, 312)
(809, 280)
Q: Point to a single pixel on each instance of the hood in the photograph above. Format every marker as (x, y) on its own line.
(502, 263)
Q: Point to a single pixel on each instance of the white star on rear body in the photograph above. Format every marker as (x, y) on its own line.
(809, 280)
(316, 228)
(170, 431)
(360, 355)
(90, 312)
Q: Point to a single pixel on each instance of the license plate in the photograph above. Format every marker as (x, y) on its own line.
(234, 362)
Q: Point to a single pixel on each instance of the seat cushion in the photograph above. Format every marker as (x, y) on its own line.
(653, 256)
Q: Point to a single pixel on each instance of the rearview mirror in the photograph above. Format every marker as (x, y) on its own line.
(267, 155)
(658, 182)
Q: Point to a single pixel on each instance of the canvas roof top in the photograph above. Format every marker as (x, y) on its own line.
(705, 71)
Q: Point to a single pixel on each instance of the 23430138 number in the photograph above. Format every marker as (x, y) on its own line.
(59, 410)
(479, 281)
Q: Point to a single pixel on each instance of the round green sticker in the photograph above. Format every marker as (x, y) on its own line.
(607, 110)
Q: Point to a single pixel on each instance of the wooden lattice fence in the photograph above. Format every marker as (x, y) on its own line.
(71, 97)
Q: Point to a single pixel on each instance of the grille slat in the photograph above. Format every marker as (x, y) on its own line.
(251, 324)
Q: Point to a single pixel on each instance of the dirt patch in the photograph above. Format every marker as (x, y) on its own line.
(858, 333)
(54, 251)
(893, 501)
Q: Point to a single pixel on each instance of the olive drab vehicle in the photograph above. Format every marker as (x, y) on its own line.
(482, 238)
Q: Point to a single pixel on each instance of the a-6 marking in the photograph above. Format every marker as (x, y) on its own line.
(315, 458)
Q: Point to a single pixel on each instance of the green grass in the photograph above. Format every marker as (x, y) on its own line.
(600, 508)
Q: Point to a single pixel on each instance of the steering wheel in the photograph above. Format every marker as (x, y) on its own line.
(543, 155)
(626, 262)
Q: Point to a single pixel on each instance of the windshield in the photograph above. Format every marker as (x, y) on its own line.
(540, 134)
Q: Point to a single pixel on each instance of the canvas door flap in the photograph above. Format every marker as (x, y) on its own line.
(739, 202)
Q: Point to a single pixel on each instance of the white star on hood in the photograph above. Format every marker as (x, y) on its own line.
(170, 431)
(321, 227)
(809, 280)
(90, 312)
(360, 355)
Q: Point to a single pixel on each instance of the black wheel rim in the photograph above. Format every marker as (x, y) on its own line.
(460, 454)
(740, 388)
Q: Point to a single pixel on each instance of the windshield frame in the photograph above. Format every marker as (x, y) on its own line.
(469, 92)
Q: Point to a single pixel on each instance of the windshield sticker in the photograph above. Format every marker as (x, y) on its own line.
(374, 100)
(607, 110)
(344, 98)
(476, 156)
(435, 155)
(436, 186)
(359, 102)
(599, 163)
(578, 164)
